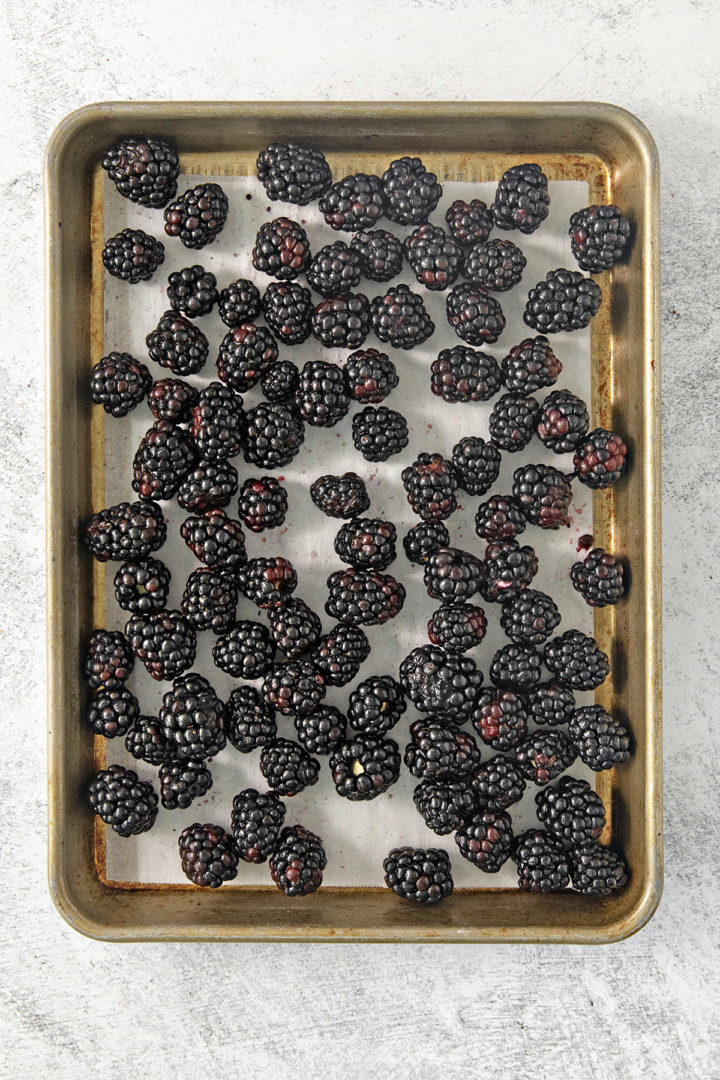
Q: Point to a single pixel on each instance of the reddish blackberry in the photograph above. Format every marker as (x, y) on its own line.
(208, 855)
(333, 270)
(602, 742)
(370, 376)
(294, 688)
(476, 463)
(340, 496)
(146, 740)
(192, 292)
(144, 169)
(267, 581)
(294, 627)
(173, 400)
(440, 682)
(274, 434)
(418, 874)
(596, 869)
(500, 718)
(379, 433)
(576, 660)
(322, 731)
(293, 172)
(509, 569)
(475, 316)
(263, 503)
(399, 317)
(181, 782)
(563, 421)
(376, 705)
(550, 704)
(209, 600)
(544, 495)
(530, 617)
(430, 483)
(245, 355)
(598, 237)
(250, 721)
(464, 374)
(600, 459)
(217, 422)
(434, 256)
(469, 222)
(193, 719)
(257, 819)
(496, 265)
(444, 804)
(542, 863)
(280, 381)
(365, 766)
(281, 249)
(380, 254)
(297, 864)
(521, 198)
(530, 366)
(322, 398)
(486, 839)
(239, 303)
(287, 307)
(517, 667)
(132, 255)
(123, 801)
(355, 202)
(564, 300)
(457, 629)
(411, 192)
(452, 576)
(340, 653)
(363, 597)
(177, 344)
(513, 421)
(246, 651)
(198, 215)
(497, 784)
(599, 579)
(112, 712)
(368, 543)
(143, 586)
(210, 485)
(420, 541)
(215, 539)
(499, 518)
(162, 461)
(544, 755)
(126, 531)
(118, 382)
(108, 659)
(343, 322)
(571, 811)
(287, 767)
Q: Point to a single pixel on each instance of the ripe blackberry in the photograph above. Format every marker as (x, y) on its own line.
(464, 374)
(363, 597)
(564, 419)
(246, 651)
(294, 627)
(365, 766)
(193, 719)
(132, 255)
(576, 660)
(142, 586)
(274, 434)
(521, 198)
(380, 254)
(599, 578)
(297, 864)
(376, 705)
(440, 682)
(239, 302)
(198, 215)
(322, 398)
(173, 400)
(208, 855)
(146, 740)
(355, 202)
(486, 839)
(499, 518)
(571, 811)
(379, 433)
(123, 801)
(126, 531)
(217, 422)
(420, 541)
(601, 741)
(209, 600)
(177, 344)
(192, 291)
(496, 265)
(281, 249)
(181, 782)
(530, 366)
(287, 307)
(293, 172)
(509, 570)
(452, 576)
(564, 300)
(144, 169)
(210, 485)
(399, 317)
(517, 667)
(215, 539)
(497, 784)
(550, 704)
(112, 712)
(334, 270)
(411, 192)
(163, 459)
(457, 629)
(430, 484)
(118, 382)
(513, 421)
(322, 731)
(542, 863)
(544, 495)
(444, 804)
(530, 617)
(287, 767)
(600, 459)
(598, 237)
(340, 496)
(544, 755)
(263, 503)
(475, 316)
(596, 869)
(245, 355)
(368, 543)
(294, 688)
(256, 820)
(108, 659)
(418, 874)
(342, 322)
(435, 257)
(340, 653)
(250, 721)
(370, 376)
(267, 581)
(280, 381)
(500, 718)
(469, 222)
(476, 463)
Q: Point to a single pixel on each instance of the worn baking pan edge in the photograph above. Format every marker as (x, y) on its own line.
(97, 911)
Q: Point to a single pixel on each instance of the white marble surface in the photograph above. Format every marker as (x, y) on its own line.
(644, 1008)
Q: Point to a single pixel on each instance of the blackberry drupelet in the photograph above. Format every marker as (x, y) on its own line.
(477, 464)
(521, 198)
(123, 801)
(215, 539)
(144, 169)
(340, 653)
(245, 355)
(530, 366)
(287, 307)
(576, 661)
(419, 874)
(322, 731)
(256, 820)
(126, 531)
(280, 381)
(250, 722)
(333, 270)
(530, 618)
(379, 433)
(499, 518)
(267, 581)
(210, 485)
(293, 172)
(217, 422)
(368, 543)
(564, 300)
(193, 719)
(544, 495)
(452, 576)
(469, 222)
(192, 291)
(198, 215)
(364, 766)
(208, 855)
(440, 682)
(380, 254)
(544, 755)
(164, 641)
(287, 767)
(132, 255)
(363, 597)
(444, 804)
(239, 302)
(486, 839)
(599, 237)
(602, 742)
(281, 249)
(464, 374)
(163, 459)
(457, 629)
(400, 318)
(322, 398)
(509, 570)
(600, 459)
(181, 782)
(353, 203)
(108, 659)
(474, 315)
(513, 421)
(542, 863)
(596, 869)
(146, 740)
(550, 704)
(298, 861)
(209, 600)
(263, 503)
(246, 651)
(376, 705)
(496, 265)
(571, 811)
(294, 627)
(599, 578)
(497, 784)
(274, 434)
(340, 496)
(420, 541)
(141, 587)
(435, 257)
(177, 344)
(343, 322)
(500, 718)
(119, 382)
(517, 667)
(430, 484)
(370, 376)
(411, 192)
(173, 400)
(112, 712)
(564, 419)
(294, 688)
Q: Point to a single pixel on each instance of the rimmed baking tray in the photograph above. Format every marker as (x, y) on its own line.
(615, 155)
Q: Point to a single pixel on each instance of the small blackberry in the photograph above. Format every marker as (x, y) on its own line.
(476, 463)
(600, 459)
(509, 570)
(198, 215)
(192, 292)
(112, 712)
(177, 344)
(144, 169)
(215, 539)
(596, 869)
(500, 718)
(530, 617)
(340, 653)
(118, 382)
(440, 682)
(544, 495)
(564, 300)
(246, 651)
(293, 172)
(452, 576)
(298, 861)
(463, 374)
(474, 315)
(368, 543)
(209, 600)
(513, 421)
(376, 705)
(530, 366)
(496, 265)
(550, 704)
(411, 192)
(486, 839)
(249, 720)
(380, 254)
(370, 376)
(599, 578)
(294, 688)
(146, 740)
(245, 355)
(418, 874)
(365, 766)
(353, 203)
(256, 820)
(132, 255)
(287, 307)
(521, 198)
(342, 322)
(263, 503)
(445, 805)
(430, 484)
(517, 667)
(208, 855)
(173, 400)
(163, 459)
(123, 801)
(499, 518)
(108, 659)
(544, 755)
(322, 731)
(598, 237)
(469, 222)
(126, 531)
(420, 541)
(193, 719)
(322, 398)
(602, 742)
(294, 627)
(281, 249)
(576, 660)
(363, 597)
(333, 270)
(457, 629)
(400, 318)
(274, 434)
(435, 257)
(267, 581)
(239, 302)
(141, 587)
(280, 381)
(542, 863)
(217, 422)
(340, 496)
(181, 782)
(379, 433)
(571, 811)
(210, 485)
(287, 767)
(497, 784)
(564, 419)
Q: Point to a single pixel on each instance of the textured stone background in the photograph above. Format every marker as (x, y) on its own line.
(644, 1008)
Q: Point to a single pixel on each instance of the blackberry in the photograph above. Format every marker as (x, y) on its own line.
(146, 740)
(132, 255)
(287, 307)
(542, 863)
(340, 653)
(486, 839)
(430, 484)
(563, 421)
(287, 767)
(333, 270)
(600, 459)
(444, 804)
(464, 374)
(322, 398)
(210, 485)
(598, 237)
(476, 463)
(163, 459)
(599, 579)
(294, 688)
(469, 222)
(118, 382)
(363, 597)
(173, 400)
(517, 667)
(550, 704)
(108, 659)
(411, 192)
(576, 661)
(215, 539)
(246, 651)
(256, 820)
(123, 801)
(499, 518)
(322, 731)
(355, 202)
(245, 355)
(141, 587)
(193, 719)
(370, 376)
(530, 618)
(418, 874)
(340, 496)
(596, 869)
(198, 215)
(530, 366)
(177, 344)
(293, 172)
(274, 434)
(209, 600)
(368, 543)
(542, 756)
(496, 265)
(452, 576)
(509, 570)
(376, 705)
(364, 767)
(571, 811)
(144, 169)
(474, 315)
(440, 682)
(602, 742)
(420, 541)
(457, 629)
(400, 318)
(280, 381)
(297, 864)
(112, 712)
(164, 641)
(379, 433)
(497, 784)
(513, 421)
(564, 300)
(434, 256)
(544, 495)
(343, 322)
(181, 782)
(208, 855)
(380, 254)
(521, 198)
(192, 291)
(217, 423)
(294, 627)
(281, 249)
(263, 503)
(267, 581)
(239, 302)
(126, 531)
(249, 720)
(500, 718)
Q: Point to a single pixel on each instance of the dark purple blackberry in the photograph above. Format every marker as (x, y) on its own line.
(457, 629)
(181, 782)
(215, 539)
(400, 318)
(322, 731)
(239, 303)
(571, 811)
(602, 742)
(500, 718)
(474, 315)
(245, 355)
(376, 705)
(287, 767)
(293, 172)
(132, 255)
(210, 485)
(544, 495)
(363, 597)
(280, 381)
(119, 382)
(339, 654)
(576, 660)
(123, 801)
(364, 766)
(246, 651)
(217, 422)
(550, 704)
(192, 291)
(112, 712)
(263, 503)
(287, 307)
(173, 400)
(274, 434)
(249, 720)
(463, 374)
(281, 249)
(440, 682)
(208, 855)
(420, 541)
(380, 254)
(294, 627)
(294, 688)
(298, 861)
(266, 582)
(439, 751)
(411, 192)
(599, 578)
(368, 543)
(163, 459)
(322, 398)
(496, 265)
(379, 433)
(521, 198)
(370, 376)
(598, 237)
(530, 618)
(141, 587)
(544, 755)
(477, 464)
(144, 169)
(452, 576)
(193, 719)
(469, 222)
(513, 421)
(177, 344)
(499, 518)
(486, 839)
(497, 784)
(198, 215)
(430, 483)
(340, 496)
(444, 804)
(355, 202)
(530, 366)
(518, 667)
(597, 870)
(146, 740)
(334, 270)
(342, 322)
(209, 600)
(108, 659)
(126, 531)
(256, 820)
(509, 569)
(564, 300)
(419, 874)
(435, 257)
(563, 421)
(542, 863)
(600, 459)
